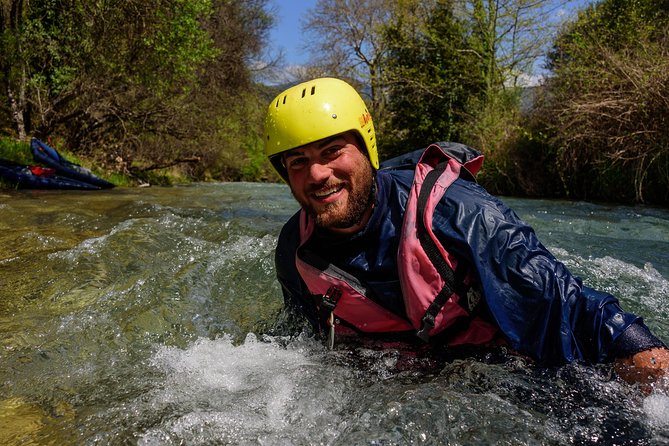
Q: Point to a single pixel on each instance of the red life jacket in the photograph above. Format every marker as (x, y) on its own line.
(437, 291)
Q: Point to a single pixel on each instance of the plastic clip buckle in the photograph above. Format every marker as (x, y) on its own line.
(426, 326)
(330, 299)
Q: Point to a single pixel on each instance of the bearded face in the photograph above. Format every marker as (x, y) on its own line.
(332, 180)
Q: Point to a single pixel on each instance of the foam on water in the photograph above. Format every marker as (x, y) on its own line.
(90, 245)
(656, 407)
(258, 391)
(135, 332)
(275, 392)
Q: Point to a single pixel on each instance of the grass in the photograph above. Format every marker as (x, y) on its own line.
(14, 150)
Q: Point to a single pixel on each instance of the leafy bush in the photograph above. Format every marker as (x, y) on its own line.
(607, 106)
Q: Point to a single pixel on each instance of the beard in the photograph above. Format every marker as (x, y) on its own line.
(336, 216)
(345, 215)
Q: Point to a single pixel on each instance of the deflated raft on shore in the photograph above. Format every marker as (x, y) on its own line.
(59, 173)
(48, 156)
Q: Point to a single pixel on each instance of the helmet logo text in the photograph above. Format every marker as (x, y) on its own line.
(364, 119)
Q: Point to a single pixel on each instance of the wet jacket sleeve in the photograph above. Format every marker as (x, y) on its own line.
(542, 309)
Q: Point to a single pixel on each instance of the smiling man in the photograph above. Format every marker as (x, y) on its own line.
(426, 256)
(332, 180)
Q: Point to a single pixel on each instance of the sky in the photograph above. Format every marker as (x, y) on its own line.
(286, 34)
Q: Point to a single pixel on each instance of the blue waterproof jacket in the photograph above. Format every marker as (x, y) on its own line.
(542, 310)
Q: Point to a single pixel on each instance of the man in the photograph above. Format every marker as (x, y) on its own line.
(426, 255)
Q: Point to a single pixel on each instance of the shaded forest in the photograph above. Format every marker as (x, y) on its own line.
(571, 105)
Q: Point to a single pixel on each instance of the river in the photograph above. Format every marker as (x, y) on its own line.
(152, 317)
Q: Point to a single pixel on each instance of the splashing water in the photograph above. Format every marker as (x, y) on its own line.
(152, 317)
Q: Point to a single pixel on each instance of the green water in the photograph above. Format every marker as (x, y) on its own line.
(152, 317)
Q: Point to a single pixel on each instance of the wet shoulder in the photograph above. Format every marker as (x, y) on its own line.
(391, 179)
(470, 198)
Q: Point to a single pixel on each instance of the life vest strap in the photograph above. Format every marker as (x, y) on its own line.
(428, 320)
(453, 280)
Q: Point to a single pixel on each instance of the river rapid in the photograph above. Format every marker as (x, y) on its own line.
(152, 317)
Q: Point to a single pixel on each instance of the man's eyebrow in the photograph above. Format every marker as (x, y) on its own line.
(329, 141)
(294, 152)
(298, 151)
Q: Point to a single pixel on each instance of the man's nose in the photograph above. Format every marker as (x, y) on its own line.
(319, 171)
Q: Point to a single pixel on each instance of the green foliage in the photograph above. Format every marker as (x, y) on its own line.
(85, 64)
(607, 104)
(120, 180)
(483, 42)
(137, 86)
(163, 91)
(179, 45)
(254, 168)
(14, 150)
(612, 24)
(430, 79)
(244, 155)
(493, 128)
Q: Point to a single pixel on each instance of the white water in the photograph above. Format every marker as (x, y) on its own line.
(152, 317)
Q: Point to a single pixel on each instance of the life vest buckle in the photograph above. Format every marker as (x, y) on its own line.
(329, 301)
(427, 324)
(330, 298)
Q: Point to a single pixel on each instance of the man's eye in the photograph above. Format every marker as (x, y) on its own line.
(331, 152)
(297, 163)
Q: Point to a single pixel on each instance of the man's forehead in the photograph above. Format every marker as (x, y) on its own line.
(314, 145)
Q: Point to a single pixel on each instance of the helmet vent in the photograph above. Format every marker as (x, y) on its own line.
(304, 92)
(313, 90)
(284, 99)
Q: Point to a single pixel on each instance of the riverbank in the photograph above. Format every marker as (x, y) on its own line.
(20, 153)
(134, 174)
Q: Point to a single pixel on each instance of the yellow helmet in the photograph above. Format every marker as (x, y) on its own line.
(315, 110)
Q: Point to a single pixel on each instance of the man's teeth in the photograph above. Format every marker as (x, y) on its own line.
(325, 192)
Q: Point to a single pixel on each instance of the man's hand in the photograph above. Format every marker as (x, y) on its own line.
(645, 368)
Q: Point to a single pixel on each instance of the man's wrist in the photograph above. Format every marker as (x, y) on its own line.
(635, 339)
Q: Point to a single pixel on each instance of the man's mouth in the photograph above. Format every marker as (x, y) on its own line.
(327, 191)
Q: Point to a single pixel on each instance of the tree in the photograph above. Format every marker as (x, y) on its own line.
(348, 42)
(80, 61)
(13, 74)
(510, 36)
(154, 82)
(228, 107)
(509, 39)
(608, 104)
(429, 76)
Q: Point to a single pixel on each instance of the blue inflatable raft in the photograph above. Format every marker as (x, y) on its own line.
(38, 177)
(48, 156)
